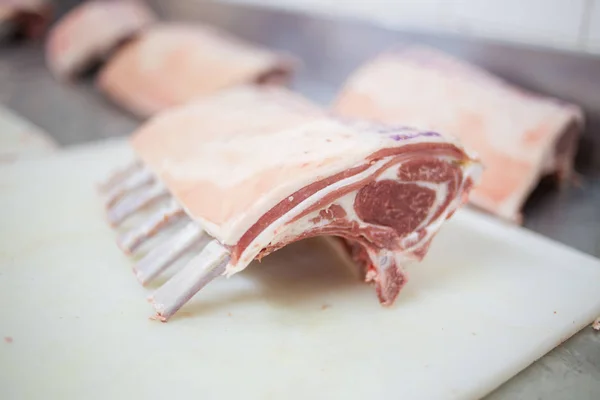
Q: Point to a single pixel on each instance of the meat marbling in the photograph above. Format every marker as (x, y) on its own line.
(256, 168)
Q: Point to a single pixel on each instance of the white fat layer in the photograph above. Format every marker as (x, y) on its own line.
(278, 231)
(266, 236)
(384, 79)
(273, 151)
(461, 88)
(118, 20)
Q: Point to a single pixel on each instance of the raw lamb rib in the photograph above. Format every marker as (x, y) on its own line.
(256, 168)
(27, 17)
(89, 32)
(519, 136)
(170, 64)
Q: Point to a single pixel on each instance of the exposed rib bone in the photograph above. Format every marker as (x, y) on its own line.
(164, 255)
(136, 180)
(201, 270)
(119, 176)
(131, 240)
(135, 202)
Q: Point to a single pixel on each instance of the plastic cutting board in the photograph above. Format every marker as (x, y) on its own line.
(487, 301)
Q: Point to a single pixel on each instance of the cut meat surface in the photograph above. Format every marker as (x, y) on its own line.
(259, 168)
(400, 206)
(91, 31)
(519, 136)
(171, 64)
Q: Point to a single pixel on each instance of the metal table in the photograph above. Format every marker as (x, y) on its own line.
(331, 49)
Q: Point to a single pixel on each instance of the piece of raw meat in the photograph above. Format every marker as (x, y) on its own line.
(91, 31)
(170, 64)
(519, 136)
(253, 169)
(27, 17)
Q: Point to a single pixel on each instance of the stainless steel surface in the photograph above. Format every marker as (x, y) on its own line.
(330, 50)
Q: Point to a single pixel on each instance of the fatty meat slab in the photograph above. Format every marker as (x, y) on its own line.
(26, 17)
(171, 64)
(519, 136)
(91, 31)
(253, 169)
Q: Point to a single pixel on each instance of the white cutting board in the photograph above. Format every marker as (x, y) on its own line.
(21, 139)
(487, 301)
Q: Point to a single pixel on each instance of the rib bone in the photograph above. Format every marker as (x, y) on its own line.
(292, 173)
(136, 180)
(135, 202)
(161, 257)
(119, 176)
(131, 240)
(201, 270)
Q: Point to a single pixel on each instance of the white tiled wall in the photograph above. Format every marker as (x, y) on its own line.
(593, 32)
(567, 24)
(555, 22)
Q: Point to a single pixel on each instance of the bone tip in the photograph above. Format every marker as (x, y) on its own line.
(142, 279)
(161, 318)
(113, 220)
(125, 248)
(160, 310)
(158, 317)
(110, 202)
(103, 187)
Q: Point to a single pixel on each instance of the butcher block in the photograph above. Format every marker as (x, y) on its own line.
(488, 300)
